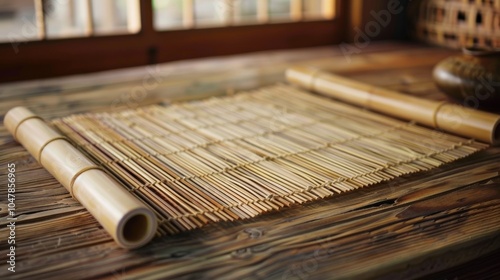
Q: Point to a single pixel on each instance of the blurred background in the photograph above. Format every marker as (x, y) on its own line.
(52, 38)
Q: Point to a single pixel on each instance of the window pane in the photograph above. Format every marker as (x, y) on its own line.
(167, 14)
(279, 10)
(180, 14)
(114, 16)
(210, 12)
(245, 11)
(66, 18)
(17, 21)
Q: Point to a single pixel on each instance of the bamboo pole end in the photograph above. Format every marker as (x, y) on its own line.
(136, 229)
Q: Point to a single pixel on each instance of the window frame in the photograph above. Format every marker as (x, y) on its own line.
(69, 56)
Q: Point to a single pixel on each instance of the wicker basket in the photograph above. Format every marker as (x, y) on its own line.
(459, 23)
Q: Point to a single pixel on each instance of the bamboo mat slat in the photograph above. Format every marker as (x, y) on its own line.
(236, 157)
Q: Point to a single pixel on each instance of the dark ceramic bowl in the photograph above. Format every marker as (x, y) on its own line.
(471, 79)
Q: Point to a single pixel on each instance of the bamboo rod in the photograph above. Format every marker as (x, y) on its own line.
(449, 117)
(126, 219)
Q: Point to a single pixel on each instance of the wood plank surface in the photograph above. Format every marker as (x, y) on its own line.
(440, 221)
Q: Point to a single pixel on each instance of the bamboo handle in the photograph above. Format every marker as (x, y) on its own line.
(449, 117)
(124, 217)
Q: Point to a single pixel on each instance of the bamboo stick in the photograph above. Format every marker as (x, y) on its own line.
(127, 220)
(449, 117)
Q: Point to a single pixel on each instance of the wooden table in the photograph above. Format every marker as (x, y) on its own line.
(444, 221)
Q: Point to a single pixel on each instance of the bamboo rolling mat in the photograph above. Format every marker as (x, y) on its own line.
(235, 157)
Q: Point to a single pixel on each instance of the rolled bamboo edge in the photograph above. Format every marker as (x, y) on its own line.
(449, 117)
(124, 217)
